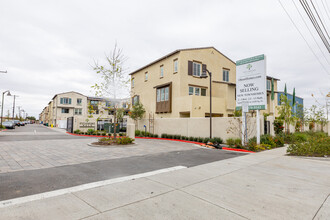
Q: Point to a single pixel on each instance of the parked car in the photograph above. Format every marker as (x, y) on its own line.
(17, 123)
(22, 123)
(9, 124)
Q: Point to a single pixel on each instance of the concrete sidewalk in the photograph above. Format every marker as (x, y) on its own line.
(265, 185)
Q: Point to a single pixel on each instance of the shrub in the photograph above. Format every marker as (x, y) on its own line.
(137, 133)
(124, 140)
(267, 139)
(299, 137)
(278, 126)
(191, 138)
(206, 140)
(123, 129)
(279, 141)
(238, 143)
(218, 140)
(259, 147)
(200, 140)
(120, 134)
(195, 139)
(143, 133)
(170, 136)
(314, 146)
(230, 142)
(155, 135)
(163, 136)
(76, 131)
(104, 134)
(90, 131)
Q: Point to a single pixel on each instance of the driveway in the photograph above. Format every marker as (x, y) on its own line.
(36, 159)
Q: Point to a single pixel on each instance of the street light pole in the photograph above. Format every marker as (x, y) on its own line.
(14, 106)
(204, 71)
(2, 103)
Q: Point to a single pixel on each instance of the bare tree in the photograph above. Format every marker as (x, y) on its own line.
(113, 74)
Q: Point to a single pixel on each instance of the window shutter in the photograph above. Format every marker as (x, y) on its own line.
(204, 68)
(61, 101)
(69, 101)
(190, 68)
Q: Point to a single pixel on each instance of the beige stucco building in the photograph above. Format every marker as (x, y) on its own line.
(172, 86)
(84, 111)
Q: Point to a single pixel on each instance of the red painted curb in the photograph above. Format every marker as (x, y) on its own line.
(167, 139)
(193, 142)
(3, 130)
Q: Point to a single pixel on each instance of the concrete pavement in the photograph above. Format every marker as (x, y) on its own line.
(265, 185)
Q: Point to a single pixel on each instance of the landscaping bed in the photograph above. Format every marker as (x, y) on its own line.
(108, 141)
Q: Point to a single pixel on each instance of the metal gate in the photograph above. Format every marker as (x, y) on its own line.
(69, 125)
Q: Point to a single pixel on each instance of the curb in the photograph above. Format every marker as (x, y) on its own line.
(167, 139)
(3, 130)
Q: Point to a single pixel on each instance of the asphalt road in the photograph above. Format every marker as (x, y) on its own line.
(29, 182)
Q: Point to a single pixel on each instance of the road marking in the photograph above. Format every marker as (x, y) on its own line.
(59, 192)
(35, 131)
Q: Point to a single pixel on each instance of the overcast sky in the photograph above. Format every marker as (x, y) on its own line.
(48, 47)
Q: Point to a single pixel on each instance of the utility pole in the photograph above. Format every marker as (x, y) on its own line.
(14, 106)
(19, 111)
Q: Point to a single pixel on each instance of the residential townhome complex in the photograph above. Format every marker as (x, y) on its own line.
(81, 112)
(172, 86)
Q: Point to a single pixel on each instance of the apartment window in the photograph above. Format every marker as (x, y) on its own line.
(191, 90)
(163, 99)
(203, 92)
(65, 100)
(146, 76)
(135, 100)
(197, 91)
(225, 75)
(78, 111)
(79, 101)
(65, 110)
(161, 71)
(196, 69)
(269, 85)
(132, 82)
(175, 66)
(107, 104)
(94, 102)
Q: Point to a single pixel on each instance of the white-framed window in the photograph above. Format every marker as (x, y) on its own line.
(78, 111)
(65, 101)
(161, 71)
(166, 93)
(269, 83)
(158, 95)
(175, 66)
(163, 94)
(225, 75)
(65, 110)
(197, 91)
(94, 102)
(196, 69)
(191, 90)
(146, 76)
(79, 101)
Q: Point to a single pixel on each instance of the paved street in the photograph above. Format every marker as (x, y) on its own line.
(35, 159)
(266, 185)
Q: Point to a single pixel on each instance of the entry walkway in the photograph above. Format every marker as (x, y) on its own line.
(265, 185)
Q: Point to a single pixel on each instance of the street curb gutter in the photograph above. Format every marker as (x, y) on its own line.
(59, 192)
(167, 139)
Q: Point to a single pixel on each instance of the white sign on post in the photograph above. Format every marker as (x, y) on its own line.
(251, 83)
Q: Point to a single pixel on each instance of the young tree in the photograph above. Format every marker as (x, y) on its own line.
(113, 74)
(285, 112)
(137, 112)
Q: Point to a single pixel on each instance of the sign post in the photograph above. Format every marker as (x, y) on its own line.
(251, 86)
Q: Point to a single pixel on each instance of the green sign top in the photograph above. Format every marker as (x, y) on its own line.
(250, 60)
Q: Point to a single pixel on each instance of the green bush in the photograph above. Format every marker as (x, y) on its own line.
(206, 140)
(124, 140)
(155, 135)
(137, 133)
(170, 136)
(314, 146)
(191, 138)
(259, 147)
(218, 140)
(195, 139)
(76, 131)
(90, 131)
(279, 141)
(267, 139)
(238, 143)
(230, 142)
(163, 135)
(200, 139)
(278, 126)
(299, 137)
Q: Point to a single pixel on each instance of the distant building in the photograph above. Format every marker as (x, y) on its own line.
(299, 101)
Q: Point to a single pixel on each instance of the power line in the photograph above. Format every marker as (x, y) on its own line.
(320, 19)
(310, 31)
(303, 38)
(320, 11)
(325, 8)
(315, 23)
